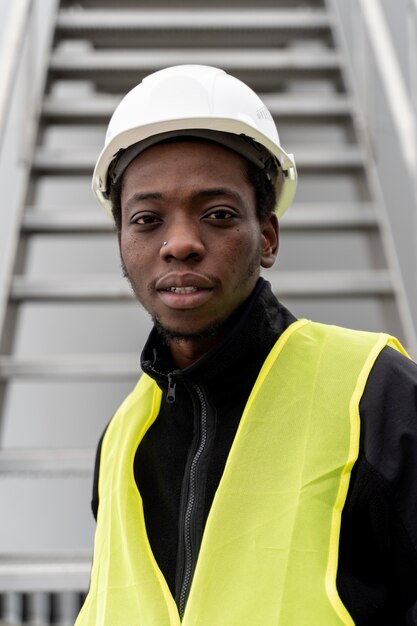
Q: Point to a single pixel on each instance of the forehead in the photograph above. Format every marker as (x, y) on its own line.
(183, 158)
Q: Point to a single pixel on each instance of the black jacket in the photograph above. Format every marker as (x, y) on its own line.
(180, 461)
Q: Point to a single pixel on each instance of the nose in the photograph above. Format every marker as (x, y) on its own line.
(182, 242)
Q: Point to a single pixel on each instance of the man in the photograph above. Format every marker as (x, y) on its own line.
(264, 470)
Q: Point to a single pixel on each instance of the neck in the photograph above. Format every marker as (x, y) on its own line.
(186, 351)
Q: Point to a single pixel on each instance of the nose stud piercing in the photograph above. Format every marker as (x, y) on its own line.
(165, 243)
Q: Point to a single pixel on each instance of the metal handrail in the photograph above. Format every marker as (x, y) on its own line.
(13, 39)
(386, 95)
(399, 101)
(24, 52)
(412, 40)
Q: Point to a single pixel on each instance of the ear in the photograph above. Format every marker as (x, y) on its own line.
(270, 241)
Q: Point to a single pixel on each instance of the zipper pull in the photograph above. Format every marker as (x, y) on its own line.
(171, 390)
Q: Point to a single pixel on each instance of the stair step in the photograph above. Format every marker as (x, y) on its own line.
(51, 461)
(98, 110)
(72, 23)
(71, 288)
(333, 283)
(307, 105)
(72, 367)
(193, 27)
(94, 110)
(50, 221)
(329, 158)
(164, 4)
(291, 283)
(335, 217)
(45, 572)
(301, 217)
(75, 64)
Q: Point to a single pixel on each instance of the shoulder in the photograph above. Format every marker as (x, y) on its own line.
(389, 430)
(390, 395)
(390, 363)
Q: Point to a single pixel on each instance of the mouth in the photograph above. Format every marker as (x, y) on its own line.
(184, 282)
(184, 291)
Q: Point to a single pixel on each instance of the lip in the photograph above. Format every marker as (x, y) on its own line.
(187, 279)
(184, 300)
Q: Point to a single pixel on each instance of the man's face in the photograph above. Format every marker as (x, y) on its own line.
(195, 197)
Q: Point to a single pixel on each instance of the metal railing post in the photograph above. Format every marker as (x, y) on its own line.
(389, 126)
(391, 76)
(412, 74)
(10, 50)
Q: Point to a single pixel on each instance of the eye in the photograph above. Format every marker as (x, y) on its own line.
(220, 214)
(145, 219)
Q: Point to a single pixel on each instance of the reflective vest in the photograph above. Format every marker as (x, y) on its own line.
(270, 546)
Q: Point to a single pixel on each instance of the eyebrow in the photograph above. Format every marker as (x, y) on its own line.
(219, 191)
(137, 197)
(202, 193)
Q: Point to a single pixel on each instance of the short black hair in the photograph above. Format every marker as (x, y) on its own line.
(265, 191)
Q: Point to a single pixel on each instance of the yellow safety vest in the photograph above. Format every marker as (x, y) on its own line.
(270, 546)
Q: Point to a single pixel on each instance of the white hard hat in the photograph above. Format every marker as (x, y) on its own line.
(194, 100)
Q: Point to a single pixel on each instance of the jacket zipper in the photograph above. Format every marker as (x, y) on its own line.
(171, 389)
(189, 509)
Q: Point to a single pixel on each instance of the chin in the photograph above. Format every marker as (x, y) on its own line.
(187, 333)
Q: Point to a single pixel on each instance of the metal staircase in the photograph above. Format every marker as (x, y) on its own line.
(72, 331)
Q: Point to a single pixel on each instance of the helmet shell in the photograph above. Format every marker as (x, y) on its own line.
(188, 97)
